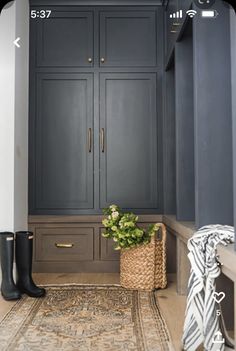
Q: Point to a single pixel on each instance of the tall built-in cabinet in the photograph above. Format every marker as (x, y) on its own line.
(94, 128)
(93, 111)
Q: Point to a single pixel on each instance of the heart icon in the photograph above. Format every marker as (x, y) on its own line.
(218, 297)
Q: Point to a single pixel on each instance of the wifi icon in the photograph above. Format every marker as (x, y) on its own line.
(191, 13)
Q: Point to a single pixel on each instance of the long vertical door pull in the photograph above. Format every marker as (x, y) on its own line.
(102, 140)
(90, 140)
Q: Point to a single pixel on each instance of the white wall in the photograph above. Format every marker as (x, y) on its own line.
(21, 116)
(7, 117)
(14, 22)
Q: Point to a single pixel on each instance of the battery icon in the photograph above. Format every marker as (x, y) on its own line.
(209, 14)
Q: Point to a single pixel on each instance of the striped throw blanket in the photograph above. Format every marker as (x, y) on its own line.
(202, 323)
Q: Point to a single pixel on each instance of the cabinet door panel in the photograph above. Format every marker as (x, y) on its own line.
(64, 165)
(65, 39)
(129, 161)
(128, 38)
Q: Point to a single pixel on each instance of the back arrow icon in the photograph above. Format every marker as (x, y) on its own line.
(16, 42)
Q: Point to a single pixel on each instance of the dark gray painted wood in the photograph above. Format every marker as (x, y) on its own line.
(233, 75)
(65, 39)
(169, 154)
(160, 106)
(171, 26)
(174, 28)
(185, 184)
(128, 38)
(128, 163)
(63, 163)
(213, 121)
(95, 68)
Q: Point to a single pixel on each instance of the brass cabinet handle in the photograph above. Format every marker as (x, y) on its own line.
(176, 24)
(102, 60)
(64, 246)
(90, 60)
(102, 139)
(90, 140)
(174, 31)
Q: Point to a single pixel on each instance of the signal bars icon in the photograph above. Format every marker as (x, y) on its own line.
(178, 14)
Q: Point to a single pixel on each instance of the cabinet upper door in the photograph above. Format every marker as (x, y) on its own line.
(128, 154)
(62, 158)
(128, 38)
(65, 39)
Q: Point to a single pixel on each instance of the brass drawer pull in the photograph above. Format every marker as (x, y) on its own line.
(64, 246)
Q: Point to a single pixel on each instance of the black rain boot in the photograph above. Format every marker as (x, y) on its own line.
(24, 254)
(8, 288)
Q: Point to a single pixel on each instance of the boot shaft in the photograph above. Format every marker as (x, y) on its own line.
(6, 253)
(24, 255)
(8, 288)
(24, 251)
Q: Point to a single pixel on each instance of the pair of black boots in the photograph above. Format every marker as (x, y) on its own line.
(23, 254)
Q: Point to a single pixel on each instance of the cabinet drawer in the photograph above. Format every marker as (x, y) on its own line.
(107, 251)
(64, 244)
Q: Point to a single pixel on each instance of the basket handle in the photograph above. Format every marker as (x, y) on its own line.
(163, 232)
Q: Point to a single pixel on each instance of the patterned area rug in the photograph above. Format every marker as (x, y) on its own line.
(85, 318)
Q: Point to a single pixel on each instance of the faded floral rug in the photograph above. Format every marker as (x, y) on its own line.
(85, 318)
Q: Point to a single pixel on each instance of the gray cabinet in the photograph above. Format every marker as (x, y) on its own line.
(63, 175)
(94, 134)
(65, 39)
(175, 20)
(129, 145)
(128, 38)
(172, 26)
(107, 247)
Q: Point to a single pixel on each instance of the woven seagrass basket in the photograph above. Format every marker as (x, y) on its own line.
(144, 267)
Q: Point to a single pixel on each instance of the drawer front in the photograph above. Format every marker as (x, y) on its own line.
(64, 244)
(107, 251)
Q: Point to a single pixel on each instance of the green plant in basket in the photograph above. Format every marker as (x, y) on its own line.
(123, 228)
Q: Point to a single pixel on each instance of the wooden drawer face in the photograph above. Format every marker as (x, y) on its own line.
(50, 244)
(107, 251)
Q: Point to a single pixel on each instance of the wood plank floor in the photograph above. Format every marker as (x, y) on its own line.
(172, 306)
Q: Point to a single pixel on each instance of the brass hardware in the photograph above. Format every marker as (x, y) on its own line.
(176, 24)
(102, 139)
(64, 246)
(90, 60)
(90, 140)
(102, 60)
(174, 31)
